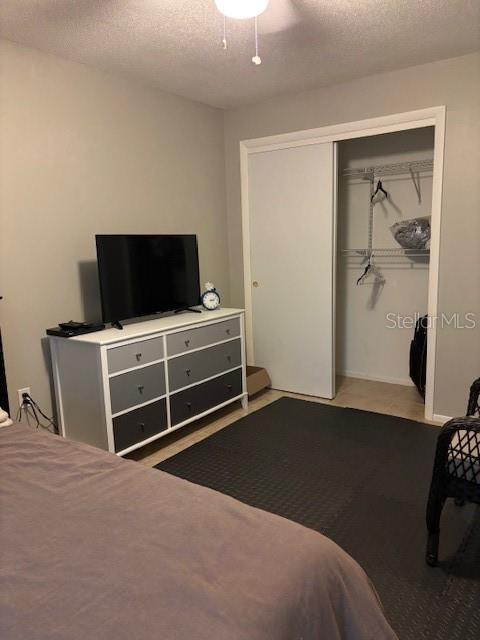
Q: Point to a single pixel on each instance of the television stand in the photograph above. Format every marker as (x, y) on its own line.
(188, 309)
(117, 324)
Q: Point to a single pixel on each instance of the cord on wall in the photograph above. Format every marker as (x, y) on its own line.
(30, 410)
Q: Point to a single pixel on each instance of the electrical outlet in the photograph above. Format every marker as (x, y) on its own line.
(20, 395)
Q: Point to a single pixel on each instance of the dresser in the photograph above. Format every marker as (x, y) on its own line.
(121, 389)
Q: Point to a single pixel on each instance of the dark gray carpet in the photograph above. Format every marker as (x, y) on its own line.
(361, 479)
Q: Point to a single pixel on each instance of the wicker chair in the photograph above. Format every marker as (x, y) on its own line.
(456, 470)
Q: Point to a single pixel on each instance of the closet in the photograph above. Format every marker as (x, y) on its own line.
(383, 181)
(338, 226)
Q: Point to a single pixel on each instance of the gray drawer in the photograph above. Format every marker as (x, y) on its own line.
(190, 402)
(135, 354)
(203, 336)
(139, 424)
(135, 387)
(194, 367)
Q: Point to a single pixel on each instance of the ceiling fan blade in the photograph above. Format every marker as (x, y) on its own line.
(280, 15)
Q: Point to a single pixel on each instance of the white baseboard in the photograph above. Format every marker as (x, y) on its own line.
(406, 382)
(437, 417)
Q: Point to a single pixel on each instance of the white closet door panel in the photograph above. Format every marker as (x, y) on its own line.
(291, 210)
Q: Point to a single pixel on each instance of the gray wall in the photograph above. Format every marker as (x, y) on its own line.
(453, 83)
(83, 152)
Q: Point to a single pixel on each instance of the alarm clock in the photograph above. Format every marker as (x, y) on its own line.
(210, 298)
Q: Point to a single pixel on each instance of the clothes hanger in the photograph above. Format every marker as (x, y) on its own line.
(371, 269)
(365, 271)
(416, 184)
(379, 188)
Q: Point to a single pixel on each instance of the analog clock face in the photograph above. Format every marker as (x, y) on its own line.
(210, 300)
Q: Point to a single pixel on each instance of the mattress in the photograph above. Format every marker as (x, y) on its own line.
(95, 546)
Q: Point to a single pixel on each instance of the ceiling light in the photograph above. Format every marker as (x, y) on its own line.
(241, 9)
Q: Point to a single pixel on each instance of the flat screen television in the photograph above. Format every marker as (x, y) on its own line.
(142, 275)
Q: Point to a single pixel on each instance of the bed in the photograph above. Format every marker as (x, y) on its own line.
(95, 546)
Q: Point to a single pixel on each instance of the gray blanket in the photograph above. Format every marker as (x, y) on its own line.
(96, 547)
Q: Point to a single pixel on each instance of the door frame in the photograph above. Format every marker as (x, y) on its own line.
(432, 116)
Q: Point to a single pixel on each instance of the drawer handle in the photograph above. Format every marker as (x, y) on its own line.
(138, 356)
(188, 372)
(229, 387)
(229, 358)
(189, 405)
(140, 388)
(142, 426)
(187, 343)
(228, 331)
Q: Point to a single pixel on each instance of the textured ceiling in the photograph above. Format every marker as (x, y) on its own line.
(175, 44)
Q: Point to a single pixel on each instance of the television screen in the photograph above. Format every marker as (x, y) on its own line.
(145, 274)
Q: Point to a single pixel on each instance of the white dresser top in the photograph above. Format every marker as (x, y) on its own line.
(157, 325)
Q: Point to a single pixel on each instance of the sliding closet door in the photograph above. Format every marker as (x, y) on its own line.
(291, 224)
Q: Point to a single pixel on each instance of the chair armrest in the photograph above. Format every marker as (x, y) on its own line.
(447, 432)
(466, 423)
(473, 405)
(459, 443)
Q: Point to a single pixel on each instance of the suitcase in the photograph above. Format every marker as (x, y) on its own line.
(418, 355)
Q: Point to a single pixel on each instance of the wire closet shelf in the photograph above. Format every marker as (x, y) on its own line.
(386, 253)
(370, 173)
(397, 168)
